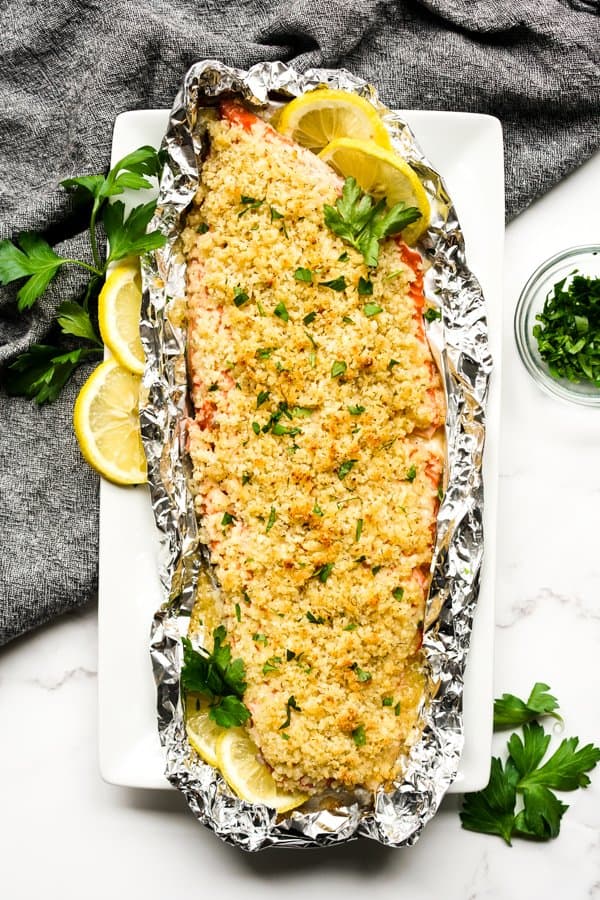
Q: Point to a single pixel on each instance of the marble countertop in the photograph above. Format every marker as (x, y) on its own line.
(67, 835)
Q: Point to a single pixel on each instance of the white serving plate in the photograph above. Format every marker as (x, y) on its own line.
(467, 150)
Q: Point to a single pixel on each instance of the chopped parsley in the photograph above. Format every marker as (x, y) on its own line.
(411, 473)
(262, 397)
(227, 519)
(347, 320)
(315, 620)
(336, 284)
(275, 214)
(440, 492)
(289, 706)
(362, 676)
(281, 312)
(303, 275)
(256, 428)
(317, 510)
(359, 528)
(397, 709)
(358, 736)
(356, 410)
(351, 626)
(271, 520)
(309, 317)
(238, 612)
(272, 665)
(338, 368)
(376, 569)
(343, 257)
(259, 638)
(264, 352)
(214, 387)
(346, 467)
(323, 572)
(398, 593)
(239, 296)
(249, 203)
(290, 655)
(365, 287)
(372, 309)
(301, 412)
(568, 330)
(202, 228)
(387, 701)
(431, 314)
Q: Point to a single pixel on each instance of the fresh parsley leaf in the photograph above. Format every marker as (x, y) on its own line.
(411, 473)
(365, 287)
(74, 319)
(42, 371)
(202, 228)
(336, 284)
(510, 711)
(272, 665)
(398, 593)
(387, 701)
(301, 412)
(363, 223)
(565, 770)
(338, 368)
(260, 638)
(131, 173)
(359, 736)
(392, 363)
(346, 467)
(35, 260)
(491, 811)
(304, 275)
(431, 314)
(281, 312)
(541, 814)
(310, 317)
(127, 236)
(356, 410)
(315, 620)
(250, 203)
(275, 214)
(227, 519)
(372, 309)
(362, 676)
(218, 677)
(256, 428)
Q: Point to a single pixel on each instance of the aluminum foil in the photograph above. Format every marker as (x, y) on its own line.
(394, 818)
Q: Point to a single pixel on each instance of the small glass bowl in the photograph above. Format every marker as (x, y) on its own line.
(583, 261)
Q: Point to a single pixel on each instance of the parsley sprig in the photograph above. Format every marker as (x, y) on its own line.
(363, 223)
(218, 677)
(519, 799)
(44, 369)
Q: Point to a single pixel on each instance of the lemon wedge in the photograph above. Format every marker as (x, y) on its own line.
(242, 769)
(106, 423)
(319, 117)
(381, 173)
(119, 307)
(203, 733)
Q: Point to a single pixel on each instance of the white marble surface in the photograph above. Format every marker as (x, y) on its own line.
(66, 835)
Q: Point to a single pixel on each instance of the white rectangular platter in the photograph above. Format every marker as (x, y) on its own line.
(467, 150)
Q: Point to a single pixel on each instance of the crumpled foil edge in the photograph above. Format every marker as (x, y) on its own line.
(460, 343)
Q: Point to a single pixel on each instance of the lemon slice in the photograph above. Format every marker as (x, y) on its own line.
(106, 423)
(381, 173)
(238, 760)
(119, 307)
(203, 733)
(321, 116)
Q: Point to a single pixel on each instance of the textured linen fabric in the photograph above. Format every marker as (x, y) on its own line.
(67, 68)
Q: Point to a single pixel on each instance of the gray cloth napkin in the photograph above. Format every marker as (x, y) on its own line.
(67, 69)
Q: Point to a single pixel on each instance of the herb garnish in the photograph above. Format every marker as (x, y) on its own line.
(398, 593)
(392, 363)
(338, 368)
(362, 223)
(323, 572)
(281, 312)
(387, 701)
(303, 275)
(336, 284)
(264, 352)
(358, 736)
(346, 467)
(365, 287)
(317, 510)
(227, 519)
(259, 638)
(256, 428)
(239, 296)
(272, 665)
(309, 317)
(568, 333)
(356, 410)
(202, 228)
(362, 676)
(271, 520)
(238, 612)
(372, 309)
(249, 203)
(431, 314)
(411, 474)
(526, 780)
(42, 371)
(351, 626)
(315, 620)
(218, 677)
(262, 397)
(289, 706)
(343, 257)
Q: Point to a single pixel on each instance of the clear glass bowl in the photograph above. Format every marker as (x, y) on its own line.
(583, 261)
